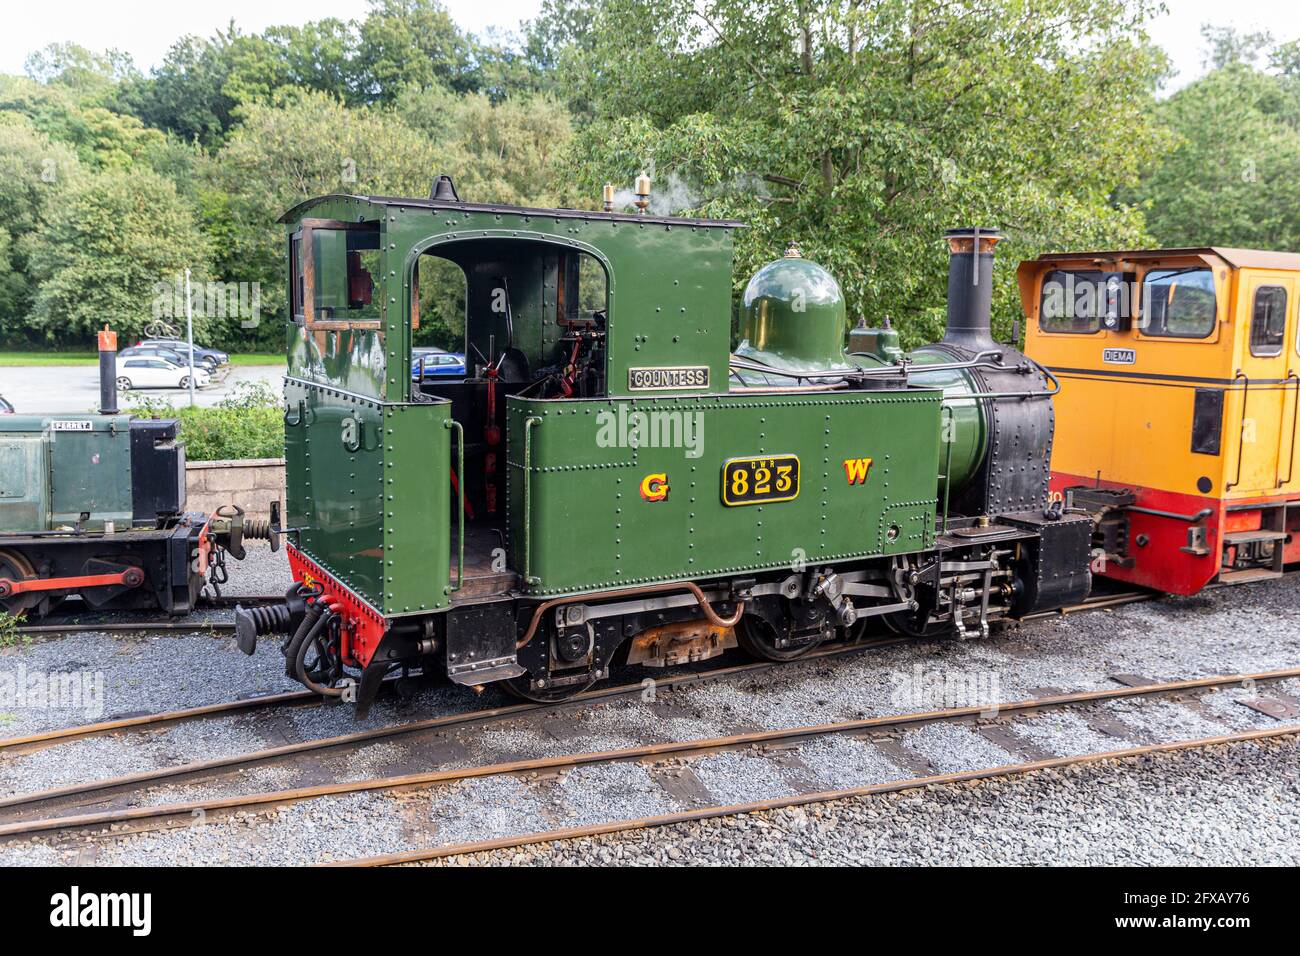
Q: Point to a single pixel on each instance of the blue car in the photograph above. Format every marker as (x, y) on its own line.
(435, 363)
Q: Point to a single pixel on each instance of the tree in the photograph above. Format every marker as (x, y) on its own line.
(34, 173)
(1225, 46)
(310, 144)
(100, 136)
(186, 94)
(864, 130)
(73, 66)
(561, 33)
(1233, 176)
(318, 56)
(111, 239)
(411, 43)
(505, 152)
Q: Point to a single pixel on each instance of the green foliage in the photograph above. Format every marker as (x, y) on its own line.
(1233, 176)
(111, 239)
(505, 152)
(248, 424)
(186, 94)
(34, 173)
(307, 145)
(9, 634)
(72, 65)
(100, 137)
(862, 131)
(411, 42)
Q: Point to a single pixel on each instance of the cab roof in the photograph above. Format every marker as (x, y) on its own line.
(560, 213)
(1237, 258)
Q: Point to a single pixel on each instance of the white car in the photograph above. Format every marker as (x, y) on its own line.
(153, 372)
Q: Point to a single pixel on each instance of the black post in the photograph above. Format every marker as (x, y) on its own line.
(107, 372)
(970, 287)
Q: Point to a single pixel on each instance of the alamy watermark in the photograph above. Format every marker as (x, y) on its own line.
(659, 428)
(209, 300)
(25, 689)
(921, 689)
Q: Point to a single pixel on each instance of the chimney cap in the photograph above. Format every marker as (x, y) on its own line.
(968, 232)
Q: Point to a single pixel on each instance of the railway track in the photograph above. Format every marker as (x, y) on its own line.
(146, 722)
(114, 823)
(191, 770)
(802, 799)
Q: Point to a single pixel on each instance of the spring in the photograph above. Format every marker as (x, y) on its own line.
(268, 619)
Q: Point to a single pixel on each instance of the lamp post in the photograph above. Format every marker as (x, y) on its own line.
(189, 330)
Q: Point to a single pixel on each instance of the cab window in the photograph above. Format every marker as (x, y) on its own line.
(1072, 301)
(334, 265)
(1179, 303)
(1268, 321)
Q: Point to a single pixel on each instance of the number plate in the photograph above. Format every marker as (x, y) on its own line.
(756, 481)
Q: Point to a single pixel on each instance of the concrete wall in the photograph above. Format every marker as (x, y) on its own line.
(252, 484)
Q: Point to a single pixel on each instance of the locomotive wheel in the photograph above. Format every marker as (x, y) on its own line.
(521, 687)
(904, 623)
(759, 637)
(15, 567)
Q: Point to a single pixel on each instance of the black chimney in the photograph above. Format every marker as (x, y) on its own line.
(970, 287)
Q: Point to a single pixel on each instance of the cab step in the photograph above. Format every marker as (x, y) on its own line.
(1246, 575)
(1252, 537)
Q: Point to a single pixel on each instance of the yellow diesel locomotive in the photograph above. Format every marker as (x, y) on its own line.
(1177, 415)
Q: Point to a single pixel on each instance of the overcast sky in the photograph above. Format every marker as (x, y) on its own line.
(146, 28)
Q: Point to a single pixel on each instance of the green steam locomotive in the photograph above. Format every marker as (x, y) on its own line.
(611, 483)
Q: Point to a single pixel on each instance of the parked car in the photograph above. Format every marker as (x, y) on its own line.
(213, 357)
(154, 372)
(166, 354)
(5, 407)
(436, 363)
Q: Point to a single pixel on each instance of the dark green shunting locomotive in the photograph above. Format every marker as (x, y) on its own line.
(610, 483)
(93, 507)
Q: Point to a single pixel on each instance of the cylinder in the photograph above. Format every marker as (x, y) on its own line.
(970, 287)
(107, 372)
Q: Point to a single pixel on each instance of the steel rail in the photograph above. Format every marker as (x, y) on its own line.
(803, 799)
(127, 627)
(22, 829)
(64, 734)
(145, 778)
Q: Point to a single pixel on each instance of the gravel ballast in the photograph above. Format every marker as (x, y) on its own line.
(1225, 631)
(1228, 805)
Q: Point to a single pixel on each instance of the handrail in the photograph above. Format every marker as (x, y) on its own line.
(529, 422)
(1295, 415)
(1241, 433)
(1173, 515)
(947, 430)
(460, 511)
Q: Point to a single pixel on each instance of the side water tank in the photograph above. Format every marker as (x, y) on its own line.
(792, 317)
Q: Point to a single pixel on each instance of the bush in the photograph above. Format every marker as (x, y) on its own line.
(248, 424)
